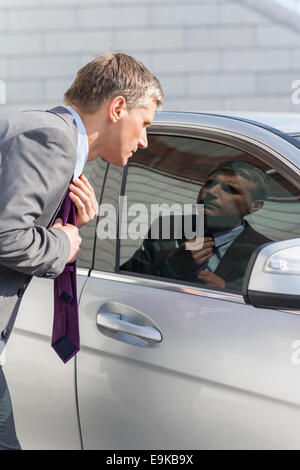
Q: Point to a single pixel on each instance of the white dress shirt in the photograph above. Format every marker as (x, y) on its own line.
(82, 143)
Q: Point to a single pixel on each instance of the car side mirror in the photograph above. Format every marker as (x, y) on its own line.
(272, 278)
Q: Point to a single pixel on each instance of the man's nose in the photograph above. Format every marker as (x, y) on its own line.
(143, 142)
(214, 191)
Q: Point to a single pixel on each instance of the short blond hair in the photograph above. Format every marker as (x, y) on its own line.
(111, 75)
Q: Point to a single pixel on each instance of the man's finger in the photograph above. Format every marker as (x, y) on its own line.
(83, 203)
(84, 185)
(83, 211)
(86, 195)
(92, 194)
(86, 181)
(203, 273)
(198, 243)
(199, 254)
(78, 187)
(77, 201)
(204, 258)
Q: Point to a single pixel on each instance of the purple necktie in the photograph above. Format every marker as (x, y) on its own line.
(65, 332)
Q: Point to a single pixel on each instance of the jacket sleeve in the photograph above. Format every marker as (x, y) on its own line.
(34, 166)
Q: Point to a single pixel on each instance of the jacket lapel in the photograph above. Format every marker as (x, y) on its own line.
(64, 114)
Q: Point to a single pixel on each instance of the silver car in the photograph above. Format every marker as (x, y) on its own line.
(169, 362)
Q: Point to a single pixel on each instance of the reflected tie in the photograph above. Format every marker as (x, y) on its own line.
(203, 266)
(65, 332)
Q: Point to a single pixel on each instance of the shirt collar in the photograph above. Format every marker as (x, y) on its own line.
(226, 236)
(82, 143)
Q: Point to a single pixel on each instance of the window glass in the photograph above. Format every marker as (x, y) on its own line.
(246, 203)
(95, 172)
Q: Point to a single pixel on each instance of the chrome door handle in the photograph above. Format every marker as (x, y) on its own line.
(115, 324)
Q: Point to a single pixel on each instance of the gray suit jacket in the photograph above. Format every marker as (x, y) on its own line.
(37, 160)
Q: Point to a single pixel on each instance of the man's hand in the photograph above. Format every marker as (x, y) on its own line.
(188, 258)
(211, 279)
(83, 196)
(72, 233)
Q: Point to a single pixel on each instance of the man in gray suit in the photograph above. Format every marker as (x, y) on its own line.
(109, 106)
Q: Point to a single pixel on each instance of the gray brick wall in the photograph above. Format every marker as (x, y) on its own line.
(209, 54)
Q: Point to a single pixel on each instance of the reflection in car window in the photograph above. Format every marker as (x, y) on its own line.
(246, 204)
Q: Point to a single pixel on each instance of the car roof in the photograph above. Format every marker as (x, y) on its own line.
(285, 122)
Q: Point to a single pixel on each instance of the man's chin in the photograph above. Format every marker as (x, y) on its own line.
(211, 211)
(119, 161)
(125, 160)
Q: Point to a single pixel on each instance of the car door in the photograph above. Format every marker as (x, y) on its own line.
(167, 363)
(42, 387)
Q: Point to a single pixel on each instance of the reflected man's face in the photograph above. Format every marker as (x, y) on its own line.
(227, 198)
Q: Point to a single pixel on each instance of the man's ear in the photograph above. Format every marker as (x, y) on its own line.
(117, 108)
(256, 205)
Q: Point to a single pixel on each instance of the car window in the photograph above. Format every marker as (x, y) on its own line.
(95, 172)
(246, 203)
